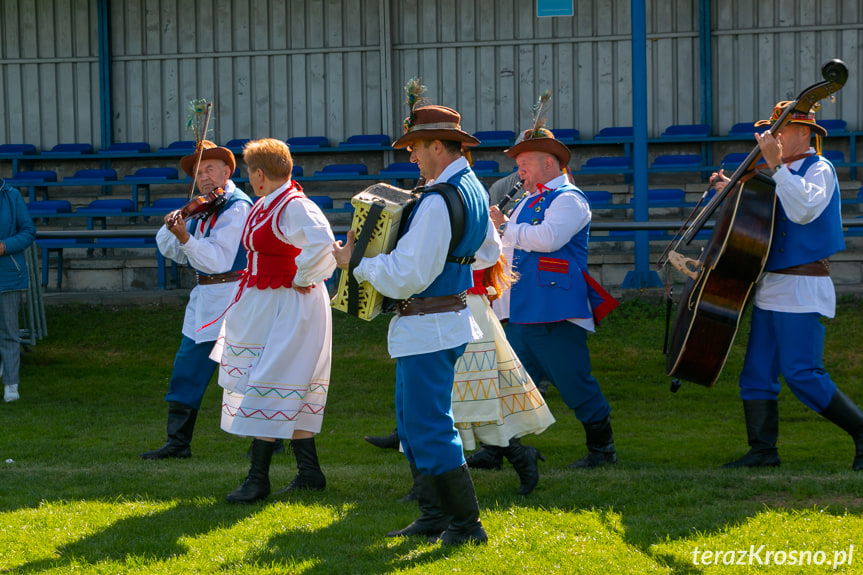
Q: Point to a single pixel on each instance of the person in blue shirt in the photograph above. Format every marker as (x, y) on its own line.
(17, 233)
(786, 336)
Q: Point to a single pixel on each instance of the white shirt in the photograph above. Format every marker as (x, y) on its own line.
(803, 200)
(566, 216)
(213, 254)
(418, 258)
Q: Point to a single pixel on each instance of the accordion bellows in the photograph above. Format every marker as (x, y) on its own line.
(382, 240)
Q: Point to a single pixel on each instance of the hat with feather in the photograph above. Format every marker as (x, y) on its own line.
(796, 117)
(429, 122)
(538, 138)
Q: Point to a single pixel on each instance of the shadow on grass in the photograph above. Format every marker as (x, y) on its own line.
(135, 538)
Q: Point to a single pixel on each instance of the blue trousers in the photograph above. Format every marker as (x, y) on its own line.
(558, 351)
(424, 410)
(193, 370)
(10, 335)
(790, 344)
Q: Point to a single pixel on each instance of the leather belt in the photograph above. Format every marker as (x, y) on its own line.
(427, 305)
(224, 278)
(819, 268)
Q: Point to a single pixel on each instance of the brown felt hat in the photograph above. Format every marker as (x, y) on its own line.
(211, 152)
(434, 123)
(796, 118)
(541, 140)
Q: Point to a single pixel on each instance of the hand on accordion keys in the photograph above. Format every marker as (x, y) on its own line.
(343, 252)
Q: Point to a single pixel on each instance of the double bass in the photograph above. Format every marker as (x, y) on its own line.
(721, 280)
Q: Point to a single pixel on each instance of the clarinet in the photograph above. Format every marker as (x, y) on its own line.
(510, 195)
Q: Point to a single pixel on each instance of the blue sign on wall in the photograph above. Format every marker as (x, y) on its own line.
(554, 8)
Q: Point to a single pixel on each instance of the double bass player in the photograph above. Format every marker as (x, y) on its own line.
(786, 336)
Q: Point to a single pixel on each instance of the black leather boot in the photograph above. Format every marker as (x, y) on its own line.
(309, 474)
(457, 498)
(181, 425)
(762, 431)
(279, 448)
(845, 413)
(600, 445)
(486, 457)
(390, 441)
(432, 520)
(256, 486)
(525, 461)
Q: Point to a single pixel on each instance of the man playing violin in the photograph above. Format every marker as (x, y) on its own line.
(211, 245)
(786, 335)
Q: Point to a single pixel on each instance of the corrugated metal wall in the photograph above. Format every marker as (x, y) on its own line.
(287, 68)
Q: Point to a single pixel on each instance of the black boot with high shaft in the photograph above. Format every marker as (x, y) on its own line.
(432, 520)
(309, 474)
(256, 486)
(762, 431)
(181, 425)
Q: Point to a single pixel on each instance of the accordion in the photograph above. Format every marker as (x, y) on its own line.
(378, 213)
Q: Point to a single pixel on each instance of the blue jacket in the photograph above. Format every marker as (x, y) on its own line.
(795, 244)
(17, 232)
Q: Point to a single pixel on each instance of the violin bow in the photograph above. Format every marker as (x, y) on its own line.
(199, 122)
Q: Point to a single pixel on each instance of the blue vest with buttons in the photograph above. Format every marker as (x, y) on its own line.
(240, 259)
(456, 278)
(795, 244)
(551, 285)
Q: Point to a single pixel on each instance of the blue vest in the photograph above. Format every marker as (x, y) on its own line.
(456, 278)
(795, 244)
(551, 285)
(240, 260)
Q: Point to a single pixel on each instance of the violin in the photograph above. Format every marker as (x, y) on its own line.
(200, 207)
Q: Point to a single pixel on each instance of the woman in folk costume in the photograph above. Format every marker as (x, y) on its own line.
(494, 400)
(276, 342)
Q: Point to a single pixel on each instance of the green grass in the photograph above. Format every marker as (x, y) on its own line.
(77, 498)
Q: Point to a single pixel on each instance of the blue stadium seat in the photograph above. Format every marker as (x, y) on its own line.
(401, 170)
(566, 135)
(323, 202)
(686, 131)
(164, 206)
(154, 174)
(28, 177)
(343, 170)
(69, 149)
(598, 198)
(486, 168)
(745, 130)
(495, 137)
(297, 172)
(236, 145)
(614, 133)
(836, 157)
(833, 127)
(308, 143)
(855, 230)
(180, 146)
(606, 164)
(126, 148)
(368, 141)
(665, 197)
(99, 175)
(113, 206)
(731, 161)
(49, 208)
(677, 163)
(17, 149)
